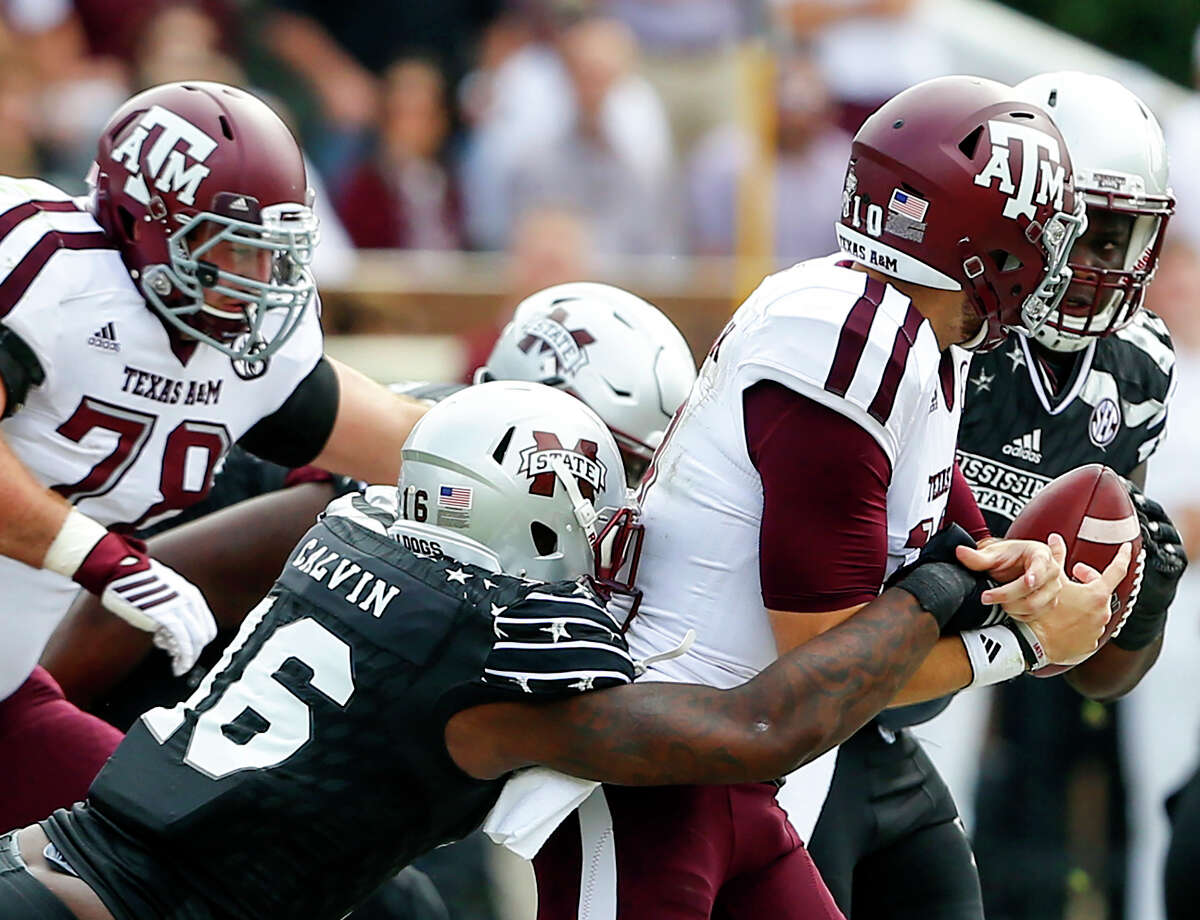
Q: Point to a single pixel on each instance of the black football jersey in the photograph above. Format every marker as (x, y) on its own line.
(1016, 436)
(310, 764)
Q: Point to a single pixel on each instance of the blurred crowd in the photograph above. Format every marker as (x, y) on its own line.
(614, 126)
(567, 131)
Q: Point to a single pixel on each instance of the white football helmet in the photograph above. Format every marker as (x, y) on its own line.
(1120, 163)
(528, 472)
(611, 349)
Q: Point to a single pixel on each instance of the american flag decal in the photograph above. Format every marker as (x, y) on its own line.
(908, 205)
(454, 497)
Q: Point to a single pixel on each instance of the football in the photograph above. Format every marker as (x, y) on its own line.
(1090, 508)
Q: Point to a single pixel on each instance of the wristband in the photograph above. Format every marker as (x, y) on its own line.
(939, 587)
(995, 655)
(1031, 645)
(76, 538)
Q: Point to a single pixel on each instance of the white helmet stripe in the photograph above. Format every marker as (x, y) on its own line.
(874, 254)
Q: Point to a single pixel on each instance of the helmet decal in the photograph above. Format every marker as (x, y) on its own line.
(165, 165)
(537, 463)
(906, 216)
(566, 345)
(1047, 172)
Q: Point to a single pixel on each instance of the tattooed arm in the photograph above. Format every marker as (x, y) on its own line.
(653, 733)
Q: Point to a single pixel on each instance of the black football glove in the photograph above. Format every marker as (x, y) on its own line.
(943, 585)
(1164, 566)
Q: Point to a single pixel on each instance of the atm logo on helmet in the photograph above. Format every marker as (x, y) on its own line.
(170, 169)
(537, 463)
(1044, 174)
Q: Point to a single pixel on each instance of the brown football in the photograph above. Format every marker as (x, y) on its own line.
(1091, 510)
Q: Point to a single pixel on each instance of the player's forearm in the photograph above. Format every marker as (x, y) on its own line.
(945, 670)
(802, 705)
(233, 556)
(1112, 671)
(33, 515)
(371, 427)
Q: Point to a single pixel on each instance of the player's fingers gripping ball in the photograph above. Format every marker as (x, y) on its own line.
(1092, 510)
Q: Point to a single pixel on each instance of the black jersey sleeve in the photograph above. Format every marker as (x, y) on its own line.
(555, 641)
(296, 432)
(1143, 359)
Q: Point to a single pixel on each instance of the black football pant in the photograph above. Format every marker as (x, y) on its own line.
(1048, 739)
(888, 841)
(1183, 855)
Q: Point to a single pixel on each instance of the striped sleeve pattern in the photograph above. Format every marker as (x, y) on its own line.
(31, 232)
(1148, 340)
(374, 509)
(557, 641)
(847, 341)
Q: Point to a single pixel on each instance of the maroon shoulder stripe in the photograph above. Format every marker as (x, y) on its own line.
(853, 338)
(885, 397)
(27, 209)
(17, 282)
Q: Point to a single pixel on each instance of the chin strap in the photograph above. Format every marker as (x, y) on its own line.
(585, 511)
(642, 665)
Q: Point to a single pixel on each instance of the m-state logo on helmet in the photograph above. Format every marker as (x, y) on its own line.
(202, 188)
(1120, 160)
(610, 348)
(526, 474)
(955, 184)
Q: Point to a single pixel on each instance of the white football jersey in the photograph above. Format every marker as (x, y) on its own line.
(811, 329)
(120, 427)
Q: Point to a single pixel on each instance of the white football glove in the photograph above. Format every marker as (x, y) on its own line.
(159, 600)
(140, 590)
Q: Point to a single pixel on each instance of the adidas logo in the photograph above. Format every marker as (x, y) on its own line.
(239, 204)
(1027, 447)
(105, 338)
(991, 648)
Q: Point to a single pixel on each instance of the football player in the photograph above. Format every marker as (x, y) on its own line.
(814, 455)
(404, 664)
(1093, 385)
(613, 350)
(143, 331)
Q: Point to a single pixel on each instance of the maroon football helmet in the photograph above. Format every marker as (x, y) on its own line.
(954, 184)
(203, 190)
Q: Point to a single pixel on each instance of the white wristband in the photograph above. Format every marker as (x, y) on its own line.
(995, 655)
(78, 537)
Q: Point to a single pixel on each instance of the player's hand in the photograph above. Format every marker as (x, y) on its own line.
(150, 596)
(1071, 632)
(1030, 574)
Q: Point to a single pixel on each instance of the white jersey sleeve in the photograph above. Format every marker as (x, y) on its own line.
(843, 339)
(48, 256)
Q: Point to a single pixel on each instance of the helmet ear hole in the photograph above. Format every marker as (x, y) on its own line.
(545, 540)
(1005, 261)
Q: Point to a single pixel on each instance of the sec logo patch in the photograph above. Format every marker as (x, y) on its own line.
(1105, 422)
